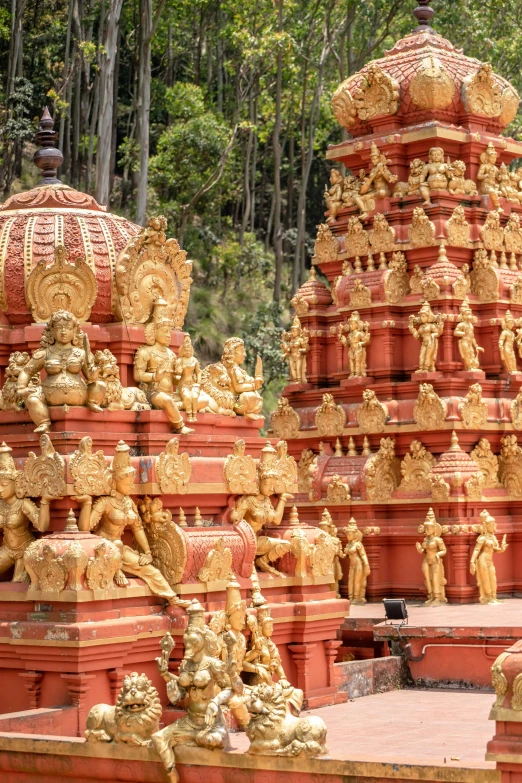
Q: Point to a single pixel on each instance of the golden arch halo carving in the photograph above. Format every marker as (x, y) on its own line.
(61, 286)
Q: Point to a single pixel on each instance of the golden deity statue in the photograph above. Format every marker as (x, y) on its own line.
(359, 565)
(189, 387)
(482, 559)
(378, 184)
(17, 514)
(355, 335)
(468, 347)
(328, 526)
(506, 343)
(155, 368)
(433, 548)
(334, 195)
(110, 515)
(204, 684)
(294, 346)
(487, 176)
(434, 174)
(427, 327)
(64, 355)
(248, 400)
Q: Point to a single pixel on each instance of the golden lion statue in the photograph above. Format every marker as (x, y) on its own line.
(274, 731)
(133, 719)
(215, 381)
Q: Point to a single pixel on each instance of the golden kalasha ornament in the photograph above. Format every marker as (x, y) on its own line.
(149, 268)
(64, 355)
(61, 286)
(427, 327)
(396, 283)
(295, 346)
(416, 468)
(103, 566)
(356, 238)
(382, 472)
(155, 367)
(111, 514)
(429, 411)
(421, 233)
(458, 184)
(285, 422)
(359, 569)
(330, 417)
(469, 349)
(166, 541)
(173, 469)
(132, 720)
(240, 471)
(433, 548)
(510, 466)
(90, 472)
(492, 233)
(189, 387)
(306, 468)
(372, 414)
(360, 295)
(481, 563)
(378, 184)
(487, 176)
(432, 87)
(117, 397)
(480, 92)
(218, 563)
(382, 235)
(484, 278)
(326, 247)
(9, 397)
(473, 409)
(338, 491)
(355, 335)
(377, 94)
(487, 462)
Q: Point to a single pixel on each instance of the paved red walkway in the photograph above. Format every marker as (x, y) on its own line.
(409, 727)
(505, 615)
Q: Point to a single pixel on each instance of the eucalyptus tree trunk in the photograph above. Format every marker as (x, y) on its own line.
(276, 144)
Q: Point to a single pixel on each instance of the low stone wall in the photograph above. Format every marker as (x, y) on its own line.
(59, 721)
(374, 675)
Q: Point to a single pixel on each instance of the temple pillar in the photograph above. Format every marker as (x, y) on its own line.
(302, 653)
(33, 685)
(78, 686)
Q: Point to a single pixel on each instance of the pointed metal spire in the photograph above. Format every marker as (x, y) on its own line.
(47, 158)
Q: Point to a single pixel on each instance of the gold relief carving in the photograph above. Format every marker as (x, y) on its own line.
(440, 489)
(218, 563)
(173, 469)
(330, 417)
(435, 174)
(300, 547)
(166, 540)
(462, 285)
(372, 414)
(457, 228)
(458, 184)
(498, 679)
(382, 235)
(356, 239)
(377, 94)
(285, 422)
(295, 346)
(343, 105)
(44, 475)
(300, 305)
(325, 552)
(434, 549)
(306, 468)
(132, 720)
(149, 268)
(515, 411)
(360, 295)
(473, 409)
(118, 398)
(509, 100)
(481, 563)
(430, 289)
(432, 87)
(515, 291)
(484, 280)
(416, 468)
(326, 247)
(91, 475)
(378, 184)
(481, 94)
(337, 491)
(355, 335)
(9, 397)
(328, 528)
(487, 462)
(286, 469)
(383, 472)
(61, 286)
(513, 234)
(492, 233)
(510, 466)
(429, 410)
(465, 332)
(516, 698)
(421, 233)
(487, 175)
(359, 569)
(427, 327)
(474, 486)
(415, 180)
(46, 571)
(103, 566)
(396, 283)
(416, 280)
(240, 471)
(75, 560)
(508, 182)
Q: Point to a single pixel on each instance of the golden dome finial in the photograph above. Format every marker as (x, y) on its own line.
(423, 14)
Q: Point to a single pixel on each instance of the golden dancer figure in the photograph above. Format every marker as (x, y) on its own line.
(249, 402)
(111, 514)
(469, 349)
(482, 559)
(487, 176)
(427, 327)
(506, 343)
(189, 387)
(433, 548)
(64, 355)
(359, 565)
(155, 368)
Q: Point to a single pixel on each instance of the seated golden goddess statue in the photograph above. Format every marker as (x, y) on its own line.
(64, 355)
(155, 368)
(249, 402)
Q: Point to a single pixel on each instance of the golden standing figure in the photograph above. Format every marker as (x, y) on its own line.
(334, 195)
(506, 343)
(359, 565)
(427, 327)
(155, 367)
(248, 400)
(433, 548)
(64, 354)
(294, 346)
(487, 176)
(17, 514)
(434, 174)
(468, 347)
(327, 524)
(234, 646)
(356, 339)
(378, 184)
(189, 387)
(110, 515)
(482, 559)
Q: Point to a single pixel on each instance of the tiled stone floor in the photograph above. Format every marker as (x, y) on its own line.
(507, 614)
(431, 727)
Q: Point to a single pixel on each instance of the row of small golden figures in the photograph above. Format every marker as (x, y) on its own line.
(74, 376)
(436, 174)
